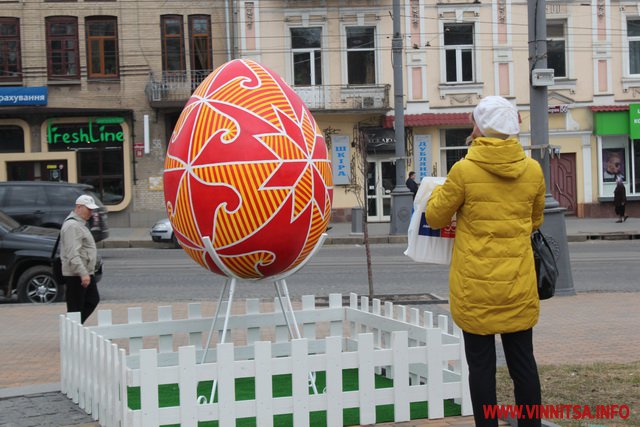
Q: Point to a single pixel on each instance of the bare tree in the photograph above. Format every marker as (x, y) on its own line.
(358, 187)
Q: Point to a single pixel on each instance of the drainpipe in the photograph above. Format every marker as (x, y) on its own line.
(228, 29)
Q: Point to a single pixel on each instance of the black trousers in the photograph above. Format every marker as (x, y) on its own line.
(79, 298)
(481, 358)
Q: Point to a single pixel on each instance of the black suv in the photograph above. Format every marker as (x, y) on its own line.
(25, 262)
(47, 204)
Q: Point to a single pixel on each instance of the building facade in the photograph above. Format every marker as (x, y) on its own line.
(90, 90)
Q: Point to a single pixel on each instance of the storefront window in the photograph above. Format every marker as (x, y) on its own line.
(12, 140)
(619, 159)
(99, 144)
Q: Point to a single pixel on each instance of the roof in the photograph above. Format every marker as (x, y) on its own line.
(431, 119)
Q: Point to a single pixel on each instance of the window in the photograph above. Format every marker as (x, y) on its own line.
(306, 47)
(10, 67)
(62, 47)
(557, 47)
(172, 44)
(12, 139)
(102, 47)
(454, 147)
(633, 35)
(361, 55)
(200, 46)
(458, 45)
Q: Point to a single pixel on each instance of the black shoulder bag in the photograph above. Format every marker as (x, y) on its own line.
(546, 266)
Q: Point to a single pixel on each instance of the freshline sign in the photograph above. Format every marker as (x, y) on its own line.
(98, 130)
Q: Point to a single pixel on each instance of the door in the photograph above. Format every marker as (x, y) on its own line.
(563, 181)
(381, 180)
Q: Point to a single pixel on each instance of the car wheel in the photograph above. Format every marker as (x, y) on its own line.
(174, 240)
(37, 285)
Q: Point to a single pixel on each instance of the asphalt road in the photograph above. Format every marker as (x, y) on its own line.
(170, 275)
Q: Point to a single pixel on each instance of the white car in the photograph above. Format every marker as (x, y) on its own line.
(162, 232)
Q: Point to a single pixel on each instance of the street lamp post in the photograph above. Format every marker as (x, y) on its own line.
(401, 197)
(554, 226)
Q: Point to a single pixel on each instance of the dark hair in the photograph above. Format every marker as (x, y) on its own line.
(412, 173)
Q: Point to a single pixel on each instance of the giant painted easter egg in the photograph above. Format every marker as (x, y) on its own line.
(248, 168)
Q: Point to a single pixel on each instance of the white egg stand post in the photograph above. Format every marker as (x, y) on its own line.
(282, 293)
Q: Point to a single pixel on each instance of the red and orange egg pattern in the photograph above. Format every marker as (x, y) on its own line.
(247, 167)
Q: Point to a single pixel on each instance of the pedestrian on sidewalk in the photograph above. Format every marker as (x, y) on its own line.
(497, 193)
(79, 256)
(411, 183)
(620, 200)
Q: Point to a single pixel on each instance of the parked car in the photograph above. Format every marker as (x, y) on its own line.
(25, 262)
(162, 231)
(47, 204)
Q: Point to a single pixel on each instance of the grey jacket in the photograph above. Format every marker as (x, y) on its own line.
(77, 247)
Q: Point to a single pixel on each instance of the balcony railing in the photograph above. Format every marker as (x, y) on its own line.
(174, 89)
(343, 98)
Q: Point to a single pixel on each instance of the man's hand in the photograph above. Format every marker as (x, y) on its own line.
(85, 280)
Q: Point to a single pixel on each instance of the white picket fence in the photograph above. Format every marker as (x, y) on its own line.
(375, 339)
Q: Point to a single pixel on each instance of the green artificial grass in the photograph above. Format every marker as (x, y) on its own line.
(168, 395)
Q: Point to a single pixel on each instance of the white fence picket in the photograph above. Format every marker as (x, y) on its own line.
(165, 342)
(434, 373)
(263, 378)
(252, 306)
(366, 379)
(226, 386)
(149, 387)
(309, 328)
(400, 366)
(134, 316)
(300, 382)
(334, 381)
(188, 386)
(194, 312)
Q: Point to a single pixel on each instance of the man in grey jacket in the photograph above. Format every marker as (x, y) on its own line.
(79, 255)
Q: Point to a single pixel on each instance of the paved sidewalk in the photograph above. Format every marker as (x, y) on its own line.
(586, 328)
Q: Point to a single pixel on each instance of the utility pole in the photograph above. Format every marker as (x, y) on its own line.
(401, 197)
(554, 226)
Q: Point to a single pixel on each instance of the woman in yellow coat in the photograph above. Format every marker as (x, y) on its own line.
(497, 194)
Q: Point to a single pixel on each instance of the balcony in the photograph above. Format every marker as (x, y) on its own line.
(338, 98)
(174, 89)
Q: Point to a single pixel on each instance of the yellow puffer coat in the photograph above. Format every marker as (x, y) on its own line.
(498, 195)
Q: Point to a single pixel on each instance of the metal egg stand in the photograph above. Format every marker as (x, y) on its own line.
(282, 292)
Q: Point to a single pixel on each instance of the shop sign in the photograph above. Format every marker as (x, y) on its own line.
(380, 140)
(138, 148)
(422, 156)
(555, 109)
(36, 95)
(340, 159)
(634, 121)
(98, 130)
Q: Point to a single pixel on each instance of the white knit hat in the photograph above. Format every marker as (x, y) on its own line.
(496, 117)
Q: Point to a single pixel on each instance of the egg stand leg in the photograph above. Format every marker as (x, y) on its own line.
(280, 285)
(283, 296)
(231, 285)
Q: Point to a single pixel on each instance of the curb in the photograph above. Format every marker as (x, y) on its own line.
(6, 393)
(358, 239)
